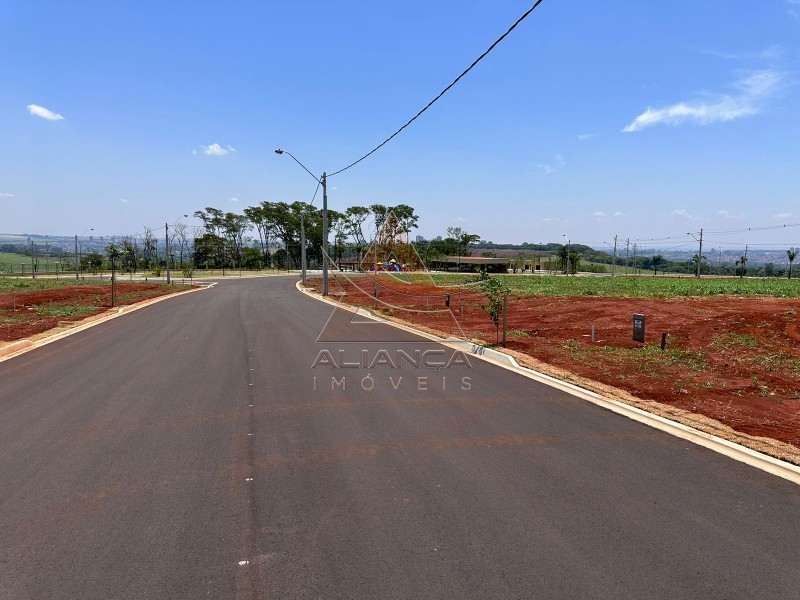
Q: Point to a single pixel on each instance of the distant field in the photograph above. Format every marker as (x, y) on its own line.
(644, 286)
(9, 260)
(20, 285)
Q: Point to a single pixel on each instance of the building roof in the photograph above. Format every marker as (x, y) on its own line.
(473, 260)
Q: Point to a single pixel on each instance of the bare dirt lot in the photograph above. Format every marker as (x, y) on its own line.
(733, 359)
(28, 313)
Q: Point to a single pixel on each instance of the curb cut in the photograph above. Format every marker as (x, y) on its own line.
(722, 446)
(22, 346)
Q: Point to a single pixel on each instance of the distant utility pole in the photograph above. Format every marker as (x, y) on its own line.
(33, 265)
(627, 254)
(700, 254)
(634, 258)
(614, 261)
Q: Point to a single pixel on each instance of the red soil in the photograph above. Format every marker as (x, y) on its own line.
(25, 322)
(733, 359)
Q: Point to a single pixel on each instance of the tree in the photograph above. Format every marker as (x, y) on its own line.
(354, 218)
(791, 253)
(130, 253)
(742, 261)
(149, 250)
(563, 254)
(495, 292)
(260, 218)
(656, 261)
(405, 217)
(212, 219)
(379, 214)
(574, 261)
(92, 261)
(463, 240)
(234, 227)
(694, 262)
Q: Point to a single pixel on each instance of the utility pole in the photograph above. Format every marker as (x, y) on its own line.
(166, 247)
(33, 264)
(77, 276)
(614, 261)
(627, 254)
(303, 248)
(745, 261)
(634, 258)
(700, 254)
(324, 234)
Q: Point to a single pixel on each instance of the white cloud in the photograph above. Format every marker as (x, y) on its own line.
(783, 215)
(619, 215)
(217, 150)
(752, 91)
(123, 200)
(44, 113)
(770, 53)
(460, 220)
(682, 214)
(586, 136)
(234, 199)
(548, 169)
(793, 12)
(726, 215)
(599, 214)
(5, 195)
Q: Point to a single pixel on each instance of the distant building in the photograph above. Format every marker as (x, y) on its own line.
(470, 264)
(419, 239)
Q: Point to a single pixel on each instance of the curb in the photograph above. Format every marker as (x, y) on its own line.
(13, 347)
(727, 448)
(22, 346)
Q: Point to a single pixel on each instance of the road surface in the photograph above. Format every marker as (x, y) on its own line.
(236, 443)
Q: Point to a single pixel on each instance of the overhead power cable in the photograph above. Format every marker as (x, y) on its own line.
(444, 91)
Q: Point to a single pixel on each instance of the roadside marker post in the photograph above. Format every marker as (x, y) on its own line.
(638, 327)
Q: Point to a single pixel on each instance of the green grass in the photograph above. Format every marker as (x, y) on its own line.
(629, 287)
(20, 285)
(727, 340)
(63, 310)
(10, 259)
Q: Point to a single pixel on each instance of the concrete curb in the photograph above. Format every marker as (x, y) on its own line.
(732, 450)
(13, 347)
(22, 346)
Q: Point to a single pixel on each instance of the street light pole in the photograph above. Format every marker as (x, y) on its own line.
(77, 258)
(166, 245)
(324, 234)
(303, 247)
(324, 182)
(166, 248)
(700, 252)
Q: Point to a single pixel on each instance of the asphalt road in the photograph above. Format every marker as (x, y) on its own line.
(210, 446)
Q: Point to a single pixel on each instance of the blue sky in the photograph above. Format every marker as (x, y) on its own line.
(592, 119)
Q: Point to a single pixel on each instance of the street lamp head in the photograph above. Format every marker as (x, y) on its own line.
(278, 151)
